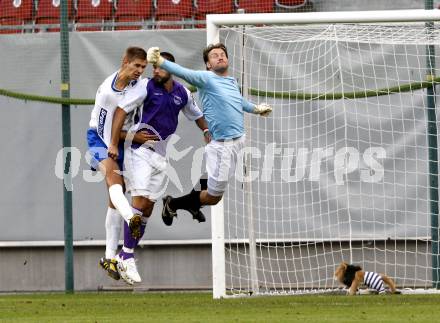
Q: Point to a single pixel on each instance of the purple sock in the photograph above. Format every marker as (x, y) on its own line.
(126, 255)
(129, 241)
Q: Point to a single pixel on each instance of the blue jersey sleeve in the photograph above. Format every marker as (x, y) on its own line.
(247, 106)
(197, 78)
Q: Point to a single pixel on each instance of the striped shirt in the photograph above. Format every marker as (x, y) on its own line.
(374, 281)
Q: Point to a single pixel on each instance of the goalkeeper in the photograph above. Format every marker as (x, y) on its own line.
(223, 109)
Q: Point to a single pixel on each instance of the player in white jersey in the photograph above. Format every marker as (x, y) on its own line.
(108, 96)
(159, 102)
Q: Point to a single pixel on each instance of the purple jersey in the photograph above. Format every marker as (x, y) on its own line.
(159, 109)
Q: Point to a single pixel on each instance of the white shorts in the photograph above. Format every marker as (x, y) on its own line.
(221, 160)
(144, 173)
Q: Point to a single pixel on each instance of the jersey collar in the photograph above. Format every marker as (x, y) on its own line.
(130, 84)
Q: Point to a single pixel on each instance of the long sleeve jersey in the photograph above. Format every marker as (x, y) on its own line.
(222, 102)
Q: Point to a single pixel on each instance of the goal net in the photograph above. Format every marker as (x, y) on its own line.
(344, 169)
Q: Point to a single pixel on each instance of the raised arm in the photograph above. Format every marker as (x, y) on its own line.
(197, 78)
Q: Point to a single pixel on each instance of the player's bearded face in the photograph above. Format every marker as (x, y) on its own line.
(217, 60)
(160, 76)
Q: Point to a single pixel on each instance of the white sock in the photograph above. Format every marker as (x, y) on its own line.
(120, 201)
(136, 211)
(128, 250)
(113, 225)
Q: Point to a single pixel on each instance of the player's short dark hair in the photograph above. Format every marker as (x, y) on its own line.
(168, 56)
(133, 52)
(208, 49)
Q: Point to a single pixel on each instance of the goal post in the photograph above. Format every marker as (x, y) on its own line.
(345, 168)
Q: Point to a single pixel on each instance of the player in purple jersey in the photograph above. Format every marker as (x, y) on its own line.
(158, 102)
(108, 96)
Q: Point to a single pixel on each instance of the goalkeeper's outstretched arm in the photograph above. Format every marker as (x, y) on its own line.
(196, 78)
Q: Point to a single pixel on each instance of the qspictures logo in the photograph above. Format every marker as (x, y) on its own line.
(253, 164)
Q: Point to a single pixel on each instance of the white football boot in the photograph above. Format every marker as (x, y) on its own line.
(128, 271)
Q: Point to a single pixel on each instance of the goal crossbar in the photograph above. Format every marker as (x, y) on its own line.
(377, 16)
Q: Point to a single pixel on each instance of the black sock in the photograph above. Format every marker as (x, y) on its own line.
(203, 184)
(185, 202)
(191, 200)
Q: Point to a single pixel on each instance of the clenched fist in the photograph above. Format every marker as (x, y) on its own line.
(263, 109)
(153, 56)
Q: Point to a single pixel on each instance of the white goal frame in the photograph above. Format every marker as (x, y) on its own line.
(213, 23)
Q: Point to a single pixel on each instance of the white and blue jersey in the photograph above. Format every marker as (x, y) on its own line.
(159, 109)
(107, 100)
(222, 102)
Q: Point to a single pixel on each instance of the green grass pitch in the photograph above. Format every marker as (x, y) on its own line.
(200, 307)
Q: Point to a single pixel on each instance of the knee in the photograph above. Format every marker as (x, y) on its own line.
(113, 178)
(146, 212)
(144, 205)
(207, 199)
(215, 199)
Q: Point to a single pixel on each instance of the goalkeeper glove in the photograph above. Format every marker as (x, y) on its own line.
(263, 109)
(153, 56)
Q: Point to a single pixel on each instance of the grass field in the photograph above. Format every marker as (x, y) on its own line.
(200, 307)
